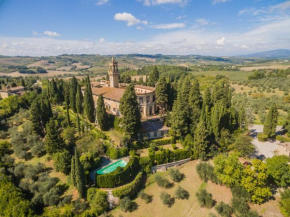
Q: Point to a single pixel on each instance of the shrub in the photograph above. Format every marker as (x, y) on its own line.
(131, 189)
(127, 205)
(162, 182)
(98, 200)
(239, 205)
(153, 146)
(181, 193)
(204, 198)
(262, 137)
(175, 175)
(285, 203)
(116, 179)
(240, 192)
(5, 148)
(166, 199)
(62, 162)
(282, 138)
(146, 197)
(224, 209)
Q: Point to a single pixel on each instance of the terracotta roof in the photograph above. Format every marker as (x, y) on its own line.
(109, 92)
(145, 87)
(153, 126)
(19, 88)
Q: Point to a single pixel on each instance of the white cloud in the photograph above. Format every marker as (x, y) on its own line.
(129, 18)
(162, 2)
(181, 17)
(102, 40)
(139, 27)
(102, 2)
(52, 34)
(221, 41)
(202, 21)
(169, 26)
(267, 36)
(274, 9)
(35, 33)
(219, 1)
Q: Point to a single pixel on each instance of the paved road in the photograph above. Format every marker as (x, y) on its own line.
(266, 148)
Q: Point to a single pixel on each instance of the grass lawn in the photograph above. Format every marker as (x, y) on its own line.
(190, 207)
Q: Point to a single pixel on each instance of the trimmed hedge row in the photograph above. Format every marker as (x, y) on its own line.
(131, 189)
(163, 141)
(283, 138)
(115, 178)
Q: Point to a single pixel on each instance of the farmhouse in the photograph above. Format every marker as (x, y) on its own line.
(8, 91)
(113, 91)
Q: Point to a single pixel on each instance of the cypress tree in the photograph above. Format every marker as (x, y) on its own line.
(53, 141)
(79, 125)
(73, 92)
(67, 116)
(60, 87)
(286, 125)
(67, 95)
(80, 176)
(242, 118)
(201, 141)
(195, 104)
(73, 171)
(179, 126)
(79, 100)
(153, 77)
(271, 122)
(162, 95)
(102, 115)
(89, 102)
(129, 108)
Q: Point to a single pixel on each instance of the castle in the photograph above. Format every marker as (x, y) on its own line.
(113, 91)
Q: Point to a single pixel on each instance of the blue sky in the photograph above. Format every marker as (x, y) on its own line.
(207, 27)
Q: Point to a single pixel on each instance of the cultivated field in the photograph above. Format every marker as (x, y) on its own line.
(49, 74)
(251, 68)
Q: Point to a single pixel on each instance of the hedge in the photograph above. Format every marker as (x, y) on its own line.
(131, 189)
(115, 153)
(163, 141)
(117, 178)
(162, 157)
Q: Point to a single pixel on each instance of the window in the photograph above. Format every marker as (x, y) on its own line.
(155, 134)
(153, 98)
(162, 133)
(140, 99)
(148, 135)
(114, 109)
(148, 99)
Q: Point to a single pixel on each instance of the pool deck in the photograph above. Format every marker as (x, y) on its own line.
(106, 161)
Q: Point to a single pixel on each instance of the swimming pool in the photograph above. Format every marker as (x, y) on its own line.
(112, 167)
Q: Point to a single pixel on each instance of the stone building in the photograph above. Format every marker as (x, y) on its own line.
(8, 91)
(113, 91)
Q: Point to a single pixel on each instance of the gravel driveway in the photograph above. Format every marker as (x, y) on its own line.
(266, 148)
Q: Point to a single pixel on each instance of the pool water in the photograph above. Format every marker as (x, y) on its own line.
(112, 167)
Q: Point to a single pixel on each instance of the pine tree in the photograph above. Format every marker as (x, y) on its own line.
(79, 176)
(271, 122)
(162, 95)
(53, 141)
(129, 108)
(195, 104)
(102, 115)
(73, 92)
(89, 102)
(153, 77)
(201, 141)
(79, 100)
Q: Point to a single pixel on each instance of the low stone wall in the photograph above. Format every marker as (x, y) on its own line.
(164, 167)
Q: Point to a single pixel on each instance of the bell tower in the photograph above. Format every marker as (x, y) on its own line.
(113, 73)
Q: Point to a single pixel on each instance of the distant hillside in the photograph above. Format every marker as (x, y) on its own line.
(273, 54)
